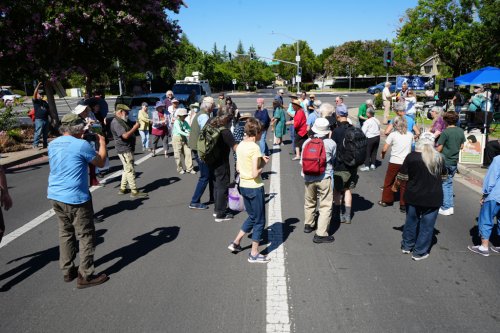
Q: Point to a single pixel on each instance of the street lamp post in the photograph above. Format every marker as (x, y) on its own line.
(297, 57)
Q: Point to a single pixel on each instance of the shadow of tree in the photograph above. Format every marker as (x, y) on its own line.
(143, 244)
(36, 262)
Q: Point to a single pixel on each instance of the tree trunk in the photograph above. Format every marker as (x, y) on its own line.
(54, 116)
(88, 85)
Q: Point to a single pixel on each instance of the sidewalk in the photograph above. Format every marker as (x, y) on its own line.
(11, 159)
(471, 175)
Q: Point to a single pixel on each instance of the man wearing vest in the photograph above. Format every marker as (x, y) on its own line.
(206, 176)
(318, 188)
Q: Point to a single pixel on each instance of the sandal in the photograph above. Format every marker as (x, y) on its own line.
(295, 158)
(383, 204)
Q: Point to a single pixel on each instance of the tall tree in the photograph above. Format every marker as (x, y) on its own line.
(49, 39)
(240, 49)
(308, 61)
(460, 32)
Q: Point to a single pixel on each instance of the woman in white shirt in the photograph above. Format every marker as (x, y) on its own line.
(410, 101)
(371, 128)
(400, 142)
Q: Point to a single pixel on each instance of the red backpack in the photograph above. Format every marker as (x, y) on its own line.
(314, 158)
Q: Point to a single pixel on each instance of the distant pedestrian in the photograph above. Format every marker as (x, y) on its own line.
(371, 128)
(180, 135)
(5, 200)
(68, 192)
(168, 100)
(410, 104)
(278, 123)
(291, 113)
(221, 101)
(438, 124)
(422, 170)
(387, 99)
(362, 111)
(41, 118)
(318, 188)
(144, 123)
(161, 128)
(490, 208)
(345, 177)
(450, 142)
(263, 115)
(300, 125)
(124, 137)
(221, 168)
(193, 110)
(314, 114)
(279, 97)
(400, 141)
(206, 175)
(250, 165)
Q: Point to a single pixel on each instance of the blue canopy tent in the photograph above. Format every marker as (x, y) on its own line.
(481, 76)
(486, 75)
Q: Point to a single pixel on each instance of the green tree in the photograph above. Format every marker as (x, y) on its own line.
(461, 33)
(308, 61)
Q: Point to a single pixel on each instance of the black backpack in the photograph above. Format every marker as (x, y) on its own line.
(353, 150)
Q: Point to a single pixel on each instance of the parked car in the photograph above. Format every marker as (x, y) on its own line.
(7, 95)
(136, 102)
(379, 87)
(123, 99)
(183, 88)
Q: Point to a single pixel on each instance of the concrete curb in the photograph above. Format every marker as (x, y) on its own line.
(24, 159)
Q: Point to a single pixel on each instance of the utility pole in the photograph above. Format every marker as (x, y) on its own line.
(297, 58)
(119, 77)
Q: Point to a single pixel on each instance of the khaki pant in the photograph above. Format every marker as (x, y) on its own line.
(128, 175)
(181, 149)
(387, 110)
(319, 193)
(76, 222)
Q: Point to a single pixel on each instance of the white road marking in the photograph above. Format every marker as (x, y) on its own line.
(48, 214)
(277, 317)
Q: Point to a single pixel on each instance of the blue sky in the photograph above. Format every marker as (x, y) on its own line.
(322, 23)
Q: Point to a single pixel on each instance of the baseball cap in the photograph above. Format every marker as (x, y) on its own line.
(71, 119)
(341, 110)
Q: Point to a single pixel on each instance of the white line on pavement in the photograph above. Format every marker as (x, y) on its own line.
(277, 317)
(48, 214)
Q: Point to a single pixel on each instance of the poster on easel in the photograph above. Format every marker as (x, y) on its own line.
(473, 150)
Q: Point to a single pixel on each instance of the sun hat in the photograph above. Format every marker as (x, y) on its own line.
(341, 110)
(245, 115)
(321, 126)
(317, 103)
(194, 105)
(208, 99)
(79, 109)
(71, 119)
(181, 112)
(175, 101)
(293, 96)
(159, 105)
(312, 95)
(296, 102)
(427, 137)
(122, 107)
(281, 91)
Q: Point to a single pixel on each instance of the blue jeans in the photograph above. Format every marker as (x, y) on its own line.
(419, 228)
(263, 144)
(486, 220)
(41, 128)
(448, 187)
(255, 206)
(145, 138)
(292, 136)
(206, 178)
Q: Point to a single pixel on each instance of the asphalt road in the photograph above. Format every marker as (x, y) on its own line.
(171, 272)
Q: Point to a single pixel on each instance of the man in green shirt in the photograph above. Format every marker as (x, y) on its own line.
(363, 108)
(450, 142)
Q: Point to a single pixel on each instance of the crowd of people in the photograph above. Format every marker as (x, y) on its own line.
(328, 145)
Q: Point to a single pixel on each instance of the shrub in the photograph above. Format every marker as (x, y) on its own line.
(8, 119)
(309, 86)
(16, 134)
(379, 103)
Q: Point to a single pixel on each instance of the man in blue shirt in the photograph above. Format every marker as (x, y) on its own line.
(69, 156)
(399, 108)
(490, 207)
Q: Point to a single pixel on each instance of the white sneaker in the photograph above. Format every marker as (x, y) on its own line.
(182, 172)
(365, 168)
(446, 212)
(372, 166)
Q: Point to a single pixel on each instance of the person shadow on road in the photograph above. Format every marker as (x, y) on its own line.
(36, 262)
(143, 244)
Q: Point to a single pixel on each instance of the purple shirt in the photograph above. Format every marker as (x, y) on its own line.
(439, 125)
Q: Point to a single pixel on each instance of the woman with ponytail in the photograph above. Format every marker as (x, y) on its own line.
(422, 170)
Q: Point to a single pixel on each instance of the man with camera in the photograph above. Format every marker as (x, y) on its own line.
(41, 117)
(69, 156)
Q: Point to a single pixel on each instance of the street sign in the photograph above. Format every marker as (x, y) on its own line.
(297, 58)
(298, 78)
(234, 81)
(271, 63)
(149, 76)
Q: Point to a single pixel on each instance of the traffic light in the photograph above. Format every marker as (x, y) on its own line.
(230, 56)
(252, 55)
(388, 57)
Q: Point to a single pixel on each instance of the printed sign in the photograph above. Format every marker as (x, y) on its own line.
(472, 153)
(414, 82)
